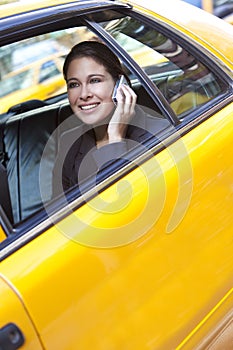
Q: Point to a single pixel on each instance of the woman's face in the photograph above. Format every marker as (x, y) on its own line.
(90, 88)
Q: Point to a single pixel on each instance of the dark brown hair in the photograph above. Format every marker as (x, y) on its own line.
(98, 52)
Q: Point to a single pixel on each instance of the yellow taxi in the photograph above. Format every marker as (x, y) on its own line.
(141, 259)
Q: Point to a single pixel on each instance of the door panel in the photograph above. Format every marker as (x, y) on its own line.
(14, 316)
(143, 264)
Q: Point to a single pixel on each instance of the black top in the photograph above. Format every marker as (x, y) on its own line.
(78, 156)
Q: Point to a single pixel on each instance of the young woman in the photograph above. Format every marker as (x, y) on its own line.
(91, 71)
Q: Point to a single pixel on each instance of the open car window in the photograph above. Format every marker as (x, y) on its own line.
(35, 93)
(32, 68)
(41, 112)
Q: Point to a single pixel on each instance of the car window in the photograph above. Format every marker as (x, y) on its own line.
(29, 62)
(45, 136)
(185, 82)
(48, 70)
(15, 82)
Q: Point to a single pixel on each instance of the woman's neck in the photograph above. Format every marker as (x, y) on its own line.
(101, 135)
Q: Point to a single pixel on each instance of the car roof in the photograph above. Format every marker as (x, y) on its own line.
(204, 27)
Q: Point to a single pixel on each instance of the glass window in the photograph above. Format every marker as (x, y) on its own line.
(27, 63)
(184, 81)
(48, 70)
(16, 81)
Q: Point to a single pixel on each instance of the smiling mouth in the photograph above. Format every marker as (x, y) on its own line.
(89, 107)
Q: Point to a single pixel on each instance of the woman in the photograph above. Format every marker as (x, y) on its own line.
(91, 71)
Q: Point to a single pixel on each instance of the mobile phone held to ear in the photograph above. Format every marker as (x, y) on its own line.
(119, 82)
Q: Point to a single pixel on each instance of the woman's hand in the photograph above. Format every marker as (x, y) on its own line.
(125, 110)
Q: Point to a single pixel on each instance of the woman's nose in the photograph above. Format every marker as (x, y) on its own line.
(85, 92)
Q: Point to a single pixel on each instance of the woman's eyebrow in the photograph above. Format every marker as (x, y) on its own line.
(97, 74)
(71, 79)
(88, 77)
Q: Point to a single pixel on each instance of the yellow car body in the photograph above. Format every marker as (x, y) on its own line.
(147, 263)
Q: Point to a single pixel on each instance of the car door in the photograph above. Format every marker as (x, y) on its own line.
(16, 326)
(143, 260)
(121, 259)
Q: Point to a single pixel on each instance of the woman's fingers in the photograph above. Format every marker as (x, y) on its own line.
(126, 101)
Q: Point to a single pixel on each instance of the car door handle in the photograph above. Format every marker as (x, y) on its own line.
(11, 337)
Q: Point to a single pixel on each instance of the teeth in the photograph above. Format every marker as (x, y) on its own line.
(85, 108)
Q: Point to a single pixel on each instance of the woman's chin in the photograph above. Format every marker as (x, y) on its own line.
(95, 118)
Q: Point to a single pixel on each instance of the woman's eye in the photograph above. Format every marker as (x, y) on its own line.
(72, 85)
(95, 80)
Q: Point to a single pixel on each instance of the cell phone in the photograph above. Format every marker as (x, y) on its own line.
(119, 82)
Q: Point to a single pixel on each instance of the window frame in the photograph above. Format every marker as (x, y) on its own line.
(199, 52)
